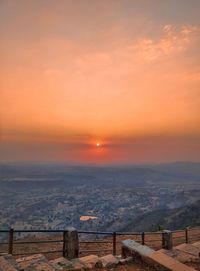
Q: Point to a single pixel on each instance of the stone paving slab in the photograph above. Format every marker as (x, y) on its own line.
(196, 244)
(189, 248)
(184, 253)
(179, 255)
(181, 267)
(159, 260)
(167, 262)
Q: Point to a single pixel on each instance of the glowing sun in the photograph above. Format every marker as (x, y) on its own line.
(98, 144)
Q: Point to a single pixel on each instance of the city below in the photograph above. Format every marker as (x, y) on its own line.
(117, 198)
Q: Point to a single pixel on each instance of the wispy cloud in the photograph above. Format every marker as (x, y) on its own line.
(171, 41)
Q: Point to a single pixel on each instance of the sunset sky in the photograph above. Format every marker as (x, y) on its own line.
(121, 73)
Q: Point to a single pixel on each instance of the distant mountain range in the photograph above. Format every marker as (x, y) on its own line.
(170, 219)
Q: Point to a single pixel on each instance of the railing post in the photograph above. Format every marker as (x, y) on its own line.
(70, 243)
(186, 235)
(114, 243)
(10, 241)
(143, 238)
(64, 243)
(167, 239)
(163, 240)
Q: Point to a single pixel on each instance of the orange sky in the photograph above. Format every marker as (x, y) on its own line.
(124, 73)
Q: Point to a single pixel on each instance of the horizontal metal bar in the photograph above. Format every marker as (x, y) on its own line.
(97, 250)
(119, 242)
(194, 229)
(155, 240)
(128, 233)
(95, 232)
(42, 252)
(95, 242)
(156, 232)
(178, 237)
(194, 239)
(38, 242)
(38, 231)
(153, 232)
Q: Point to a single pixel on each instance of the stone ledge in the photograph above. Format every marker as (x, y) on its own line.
(132, 247)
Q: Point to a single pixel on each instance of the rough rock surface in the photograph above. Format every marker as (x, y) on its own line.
(61, 264)
(92, 260)
(79, 266)
(25, 262)
(109, 261)
(126, 260)
(8, 263)
(31, 263)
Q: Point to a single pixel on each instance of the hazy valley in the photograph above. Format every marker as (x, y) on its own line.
(54, 196)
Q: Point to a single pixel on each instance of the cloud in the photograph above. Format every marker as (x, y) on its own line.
(171, 41)
(131, 56)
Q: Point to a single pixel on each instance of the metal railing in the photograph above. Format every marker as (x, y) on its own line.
(109, 240)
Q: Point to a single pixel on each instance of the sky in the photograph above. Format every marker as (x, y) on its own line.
(121, 73)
